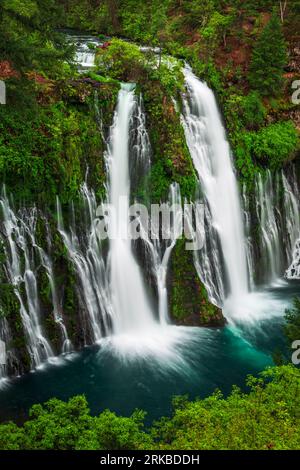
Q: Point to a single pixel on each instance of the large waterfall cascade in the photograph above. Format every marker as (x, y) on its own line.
(226, 264)
(116, 306)
(211, 156)
(129, 300)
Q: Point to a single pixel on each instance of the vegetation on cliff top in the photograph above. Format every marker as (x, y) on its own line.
(240, 48)
(246, 50)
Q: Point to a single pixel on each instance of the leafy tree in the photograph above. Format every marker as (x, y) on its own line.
(269, 58)
(217, 27)
(110, 431)
(28, 37)
(64, 426)
(292, 325)
(12, 437)
(122, 61)
(266, 417)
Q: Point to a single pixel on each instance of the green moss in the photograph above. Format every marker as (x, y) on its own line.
(171, 157)
(45, 150)
(189, 303)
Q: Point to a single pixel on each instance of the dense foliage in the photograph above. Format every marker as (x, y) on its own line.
(292, 322)
(28, 36)
(241, 48)
(267, 417)
(269, 59)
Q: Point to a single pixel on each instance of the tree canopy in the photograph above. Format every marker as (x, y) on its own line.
(267, 417)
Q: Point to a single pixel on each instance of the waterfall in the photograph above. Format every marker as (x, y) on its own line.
(249, 240)
(160, 249)
(85, 251)
(24, 258)
(268, 215)
(110, 280)
(292, 214)
(115, 302)
(85, 50)
(273, 228)
(131, 308)
(210, 152)
(21, 269)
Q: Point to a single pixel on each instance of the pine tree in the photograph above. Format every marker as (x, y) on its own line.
(28, 38)
(269, 58)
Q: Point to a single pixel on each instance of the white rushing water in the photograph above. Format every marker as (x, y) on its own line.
(24, 260)
(115, 301)
(86, 255)
(85, 50)
(130, 304)
(267, 214)
(210, 152)
(139, 328)
(227, 263)
(160, 250)
(21, 270)
(292, 214)
(272, 235)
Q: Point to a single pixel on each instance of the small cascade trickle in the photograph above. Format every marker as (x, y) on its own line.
(67, 346)
(159, 245)
(208, 260)
(85, 50)
(248, 238)
(140, 147)
(292, 215)
(5, 339)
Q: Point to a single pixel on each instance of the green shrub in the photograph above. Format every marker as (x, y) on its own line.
(122, 61)
(275, 144)
(266, 417)
(292, 322)
(253, 112)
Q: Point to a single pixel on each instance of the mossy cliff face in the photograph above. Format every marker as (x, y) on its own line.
(46, 148)
(189, 303)
(171, 158)
(49, 149)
